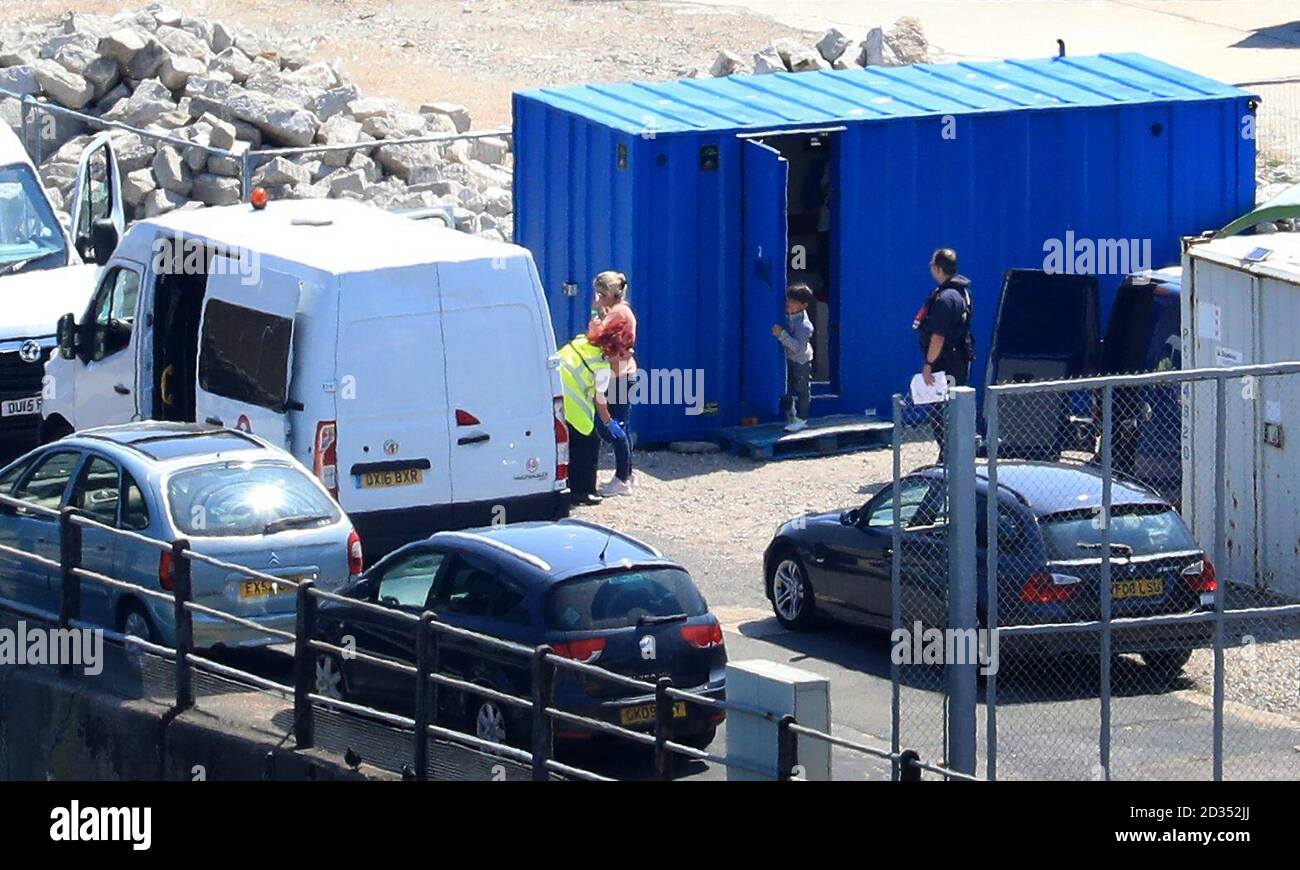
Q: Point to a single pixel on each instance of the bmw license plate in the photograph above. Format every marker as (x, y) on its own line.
(643, 714)
(21, 407)
(1143, 588)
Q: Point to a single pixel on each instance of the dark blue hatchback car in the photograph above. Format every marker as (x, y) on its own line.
(591, 593)
(838, 565)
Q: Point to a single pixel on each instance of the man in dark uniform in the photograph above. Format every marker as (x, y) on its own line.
(943, 330)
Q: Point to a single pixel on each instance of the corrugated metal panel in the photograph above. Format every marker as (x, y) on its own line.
(1111, 147)
(786, 99)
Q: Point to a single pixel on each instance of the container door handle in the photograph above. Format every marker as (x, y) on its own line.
(474, 439)
(214, 421)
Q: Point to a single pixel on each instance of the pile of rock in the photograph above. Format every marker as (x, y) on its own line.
(222, 87)
(897, 45)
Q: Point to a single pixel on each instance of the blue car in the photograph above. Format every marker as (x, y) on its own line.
(231, 495)
(838, 565)
(591, 593)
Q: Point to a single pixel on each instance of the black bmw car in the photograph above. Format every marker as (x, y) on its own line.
(838, 565)
(591, 593)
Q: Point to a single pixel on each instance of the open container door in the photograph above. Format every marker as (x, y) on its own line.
(764, 248)
(96, 196)
(1048, 327)
(246, 350)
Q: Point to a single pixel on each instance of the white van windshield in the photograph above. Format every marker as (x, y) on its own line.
(28, 228)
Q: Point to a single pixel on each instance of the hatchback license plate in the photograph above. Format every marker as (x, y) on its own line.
(1144, 588)
(384, 479)
(21, 407)
(263, 588)
(644, 713)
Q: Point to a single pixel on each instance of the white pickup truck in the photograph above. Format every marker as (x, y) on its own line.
(46, 270)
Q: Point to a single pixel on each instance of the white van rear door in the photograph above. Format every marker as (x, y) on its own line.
(499, 384)
(246, 350)
(97, 194)
(391, 392)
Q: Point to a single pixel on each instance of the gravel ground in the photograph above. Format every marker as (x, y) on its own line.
(476, 52)
(717, 511)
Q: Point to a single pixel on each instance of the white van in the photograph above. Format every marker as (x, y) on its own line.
(410, 366)
(42, 273)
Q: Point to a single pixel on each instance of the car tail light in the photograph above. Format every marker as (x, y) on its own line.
(1044, 587)
(561, 443)
(166, 579)
(585, 650)
(325, 456)
(703, 636)
(465, 418)
(356, 564)
(1201, 577)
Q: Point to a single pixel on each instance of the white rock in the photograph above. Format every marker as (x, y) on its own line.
(234, 63)
(833, 44)
(75, 58)
(122, 45)
(147, 61)
(103, 74)
(907, 39)
(727, 63)
(229, 166)
(768, 61)
(280, 171)
(137, 185)
(457, 113)
(490, 149)
(875, 51)
(171, 172)
(410, 163)
(177, 69)
(280, 121)
(215, 189)
(63, 87)
(180, 42)
(338, 130)
(347, 181)
(334, 101)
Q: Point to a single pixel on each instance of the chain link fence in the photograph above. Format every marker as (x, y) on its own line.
(1277, 132)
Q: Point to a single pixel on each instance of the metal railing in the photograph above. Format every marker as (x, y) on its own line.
(427, 675)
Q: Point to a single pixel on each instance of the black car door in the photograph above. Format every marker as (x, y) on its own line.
(476, 595)
(402, 583)
(856, 562)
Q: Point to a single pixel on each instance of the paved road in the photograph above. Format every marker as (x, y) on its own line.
(1231, 40)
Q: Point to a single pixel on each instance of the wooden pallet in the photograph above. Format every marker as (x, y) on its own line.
(825, 436)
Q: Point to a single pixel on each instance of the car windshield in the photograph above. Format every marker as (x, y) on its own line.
(238, 498)
(28, 228)
(623, 598)
(1136, 530)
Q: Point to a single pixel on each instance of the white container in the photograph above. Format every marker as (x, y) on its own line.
(1241, 306)
(776, 688)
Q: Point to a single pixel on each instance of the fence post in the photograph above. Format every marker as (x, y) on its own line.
(182, 594)
(304, 666)
(895, 591)
(543, 727)
(69, 561)
(1107, 476)
(908, 771)
(663, 728)
(1220, 560)
(423, 630)
(787, 749)
(992, 434)
(959, 453)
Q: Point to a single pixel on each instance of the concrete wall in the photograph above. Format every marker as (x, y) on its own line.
(58, 729)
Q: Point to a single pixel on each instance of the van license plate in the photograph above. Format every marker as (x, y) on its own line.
(1144, 588)
(645, 713)
(384, 479)
(20, 407)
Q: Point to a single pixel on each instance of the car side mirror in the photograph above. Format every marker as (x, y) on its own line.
(103, 240)
(67, 333)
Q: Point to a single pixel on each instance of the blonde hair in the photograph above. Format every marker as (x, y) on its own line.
(612, 283)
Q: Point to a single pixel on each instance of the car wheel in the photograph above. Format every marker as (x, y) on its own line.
(487, 721)
(1166, 666)
(329, 677)
(134, 621)
(792, 594)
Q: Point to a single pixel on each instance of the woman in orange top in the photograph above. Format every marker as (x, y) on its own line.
(613, 325)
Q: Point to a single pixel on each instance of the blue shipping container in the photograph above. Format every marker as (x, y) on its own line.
(712, 194)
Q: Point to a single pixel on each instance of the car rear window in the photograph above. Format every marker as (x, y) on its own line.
(619, 599)
(1146, 529)
(238, 498)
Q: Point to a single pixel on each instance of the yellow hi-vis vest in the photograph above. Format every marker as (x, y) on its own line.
(580, 360)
